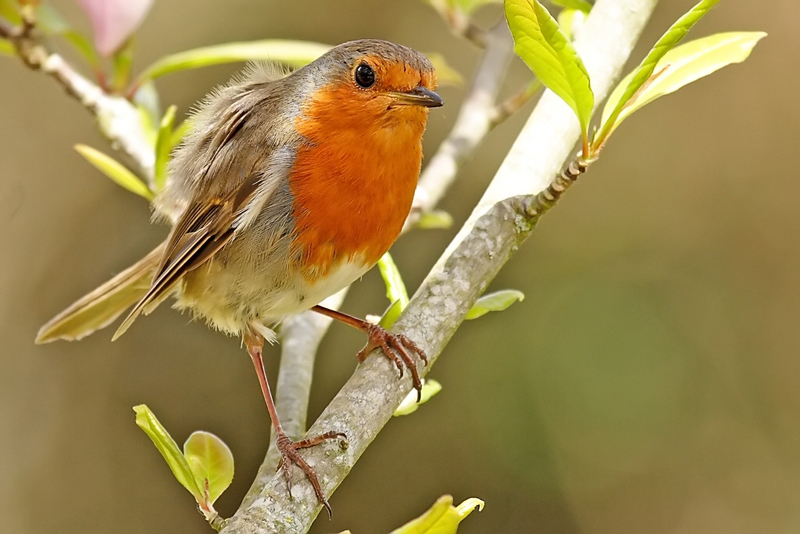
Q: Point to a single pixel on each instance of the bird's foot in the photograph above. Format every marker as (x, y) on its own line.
(397, 348)
(290, 456)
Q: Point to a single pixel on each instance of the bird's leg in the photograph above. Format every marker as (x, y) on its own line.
(396, 347)
(288, 448)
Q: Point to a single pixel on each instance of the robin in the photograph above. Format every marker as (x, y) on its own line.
(286, 190)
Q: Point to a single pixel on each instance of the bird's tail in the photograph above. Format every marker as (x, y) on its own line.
(100, 307)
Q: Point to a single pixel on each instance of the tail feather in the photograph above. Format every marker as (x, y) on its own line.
(99, 308)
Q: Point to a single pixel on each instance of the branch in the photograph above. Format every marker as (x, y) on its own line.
(117, 119)
(499, 224)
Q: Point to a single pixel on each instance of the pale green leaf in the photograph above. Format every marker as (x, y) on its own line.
(409, 405)
(681, 66)
(497, 301)
(581, 5)
(9, 10)
(551, 56)
(146, 420)
(149, 106)
(570, 21)
(395, 289)
(643, 72)
(211, 462)
(6, 48)
(391, 315)
(445, 74)
(294, 53)
(441, 518)
(468, 6)
(181, 131)
(164, 146)
(115, 170)
(435, 219)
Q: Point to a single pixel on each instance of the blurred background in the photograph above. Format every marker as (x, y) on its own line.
(648, 382)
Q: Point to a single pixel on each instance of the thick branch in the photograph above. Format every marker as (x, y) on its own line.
(494, 231)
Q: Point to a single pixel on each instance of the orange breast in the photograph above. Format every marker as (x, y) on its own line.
(354, 182)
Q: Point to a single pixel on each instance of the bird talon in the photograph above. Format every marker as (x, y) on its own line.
(290, 456)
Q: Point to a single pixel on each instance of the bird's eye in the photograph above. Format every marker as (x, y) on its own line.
(365, 76)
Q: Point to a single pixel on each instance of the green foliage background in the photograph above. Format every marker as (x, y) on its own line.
(648, 382)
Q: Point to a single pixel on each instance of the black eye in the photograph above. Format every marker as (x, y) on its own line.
(365, 76)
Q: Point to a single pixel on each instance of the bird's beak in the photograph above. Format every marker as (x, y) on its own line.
(419, 96)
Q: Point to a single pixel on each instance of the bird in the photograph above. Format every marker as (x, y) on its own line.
(288, 188)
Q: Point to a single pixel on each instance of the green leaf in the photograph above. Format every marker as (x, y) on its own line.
(395, 290)
(435, 219)
(9, 10)
(571, 20)
(441, 518)
(551, 56)
(211, 463)
(645, 70)
(6, 48)
(580, 5)
(445, 74)
(164, 146)
(497, 301)
(146, 420)
(681, 66)
(468, 6)
(115, 170)
(181, 131)
(409, 405)
(294, 53)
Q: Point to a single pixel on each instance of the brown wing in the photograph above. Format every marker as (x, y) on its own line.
(202, 230)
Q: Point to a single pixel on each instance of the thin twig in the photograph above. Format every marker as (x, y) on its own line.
(513, 103)
(498, 225)
(117, 119)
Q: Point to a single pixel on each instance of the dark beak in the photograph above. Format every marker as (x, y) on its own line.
(419, 96)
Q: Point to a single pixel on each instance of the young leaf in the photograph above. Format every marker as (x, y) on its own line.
(435, 219)
(146, 420)
(681, 66)
(395, 289)
(468, 6)
(6, 48)
(497, 301)
(115, 170)
(294, 53)
(164, 146)
(445, 74)
(580, 5)
(409, 405)
(180, 132)
(551, 56)
(211, 461)
(570, 21)
(441, 518)
(671, 38)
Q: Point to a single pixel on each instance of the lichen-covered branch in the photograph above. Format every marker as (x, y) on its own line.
(502, 220)
(117, 119)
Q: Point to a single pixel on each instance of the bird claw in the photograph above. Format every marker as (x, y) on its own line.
(290, 455)
(396, 347)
